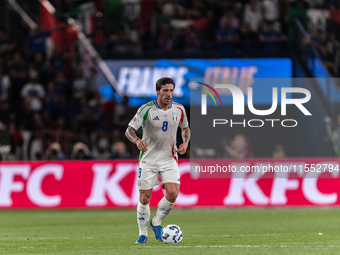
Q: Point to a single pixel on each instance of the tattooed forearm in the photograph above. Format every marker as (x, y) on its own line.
(130, 133)
(186, 135)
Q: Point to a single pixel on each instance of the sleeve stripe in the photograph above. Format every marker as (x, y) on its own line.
(146, 115)
(182, 116)
(142, 107)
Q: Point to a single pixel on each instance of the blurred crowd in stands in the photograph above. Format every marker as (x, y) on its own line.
(48, 110)
(328, 47)
(125, 28)
(198, 26)
(191, 27)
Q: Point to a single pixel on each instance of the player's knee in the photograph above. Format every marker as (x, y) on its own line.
(172, 196)
(144, 199)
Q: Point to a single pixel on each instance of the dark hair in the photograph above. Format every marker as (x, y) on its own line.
(162, 81)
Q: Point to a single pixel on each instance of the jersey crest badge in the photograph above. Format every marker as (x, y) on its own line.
(174, 116)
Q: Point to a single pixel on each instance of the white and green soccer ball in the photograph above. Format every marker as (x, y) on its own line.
(172, 234)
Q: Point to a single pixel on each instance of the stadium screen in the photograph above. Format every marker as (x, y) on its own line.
(137, 78)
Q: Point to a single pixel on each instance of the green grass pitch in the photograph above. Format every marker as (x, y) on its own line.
(206, 231)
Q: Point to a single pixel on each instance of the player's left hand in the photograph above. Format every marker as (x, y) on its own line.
(182, 148)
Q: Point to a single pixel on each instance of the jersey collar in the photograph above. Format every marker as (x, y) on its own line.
(155, 101)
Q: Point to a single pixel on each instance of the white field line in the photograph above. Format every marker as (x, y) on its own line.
(216, 246)
(236, 235)
(235, 246)
(44, 238)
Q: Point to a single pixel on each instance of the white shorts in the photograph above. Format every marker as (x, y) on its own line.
(147, 175)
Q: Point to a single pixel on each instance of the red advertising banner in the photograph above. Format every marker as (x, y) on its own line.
(112, 184)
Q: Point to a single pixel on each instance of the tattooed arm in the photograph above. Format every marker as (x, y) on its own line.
(186, 137)
(130, 133)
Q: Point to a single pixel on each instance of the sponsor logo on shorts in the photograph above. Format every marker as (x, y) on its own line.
(179, 179)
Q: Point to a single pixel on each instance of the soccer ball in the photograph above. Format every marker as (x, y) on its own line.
(172, 234)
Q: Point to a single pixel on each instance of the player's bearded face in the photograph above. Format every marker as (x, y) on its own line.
(166, 93)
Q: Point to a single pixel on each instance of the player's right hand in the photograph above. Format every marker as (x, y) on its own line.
(142, 145)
